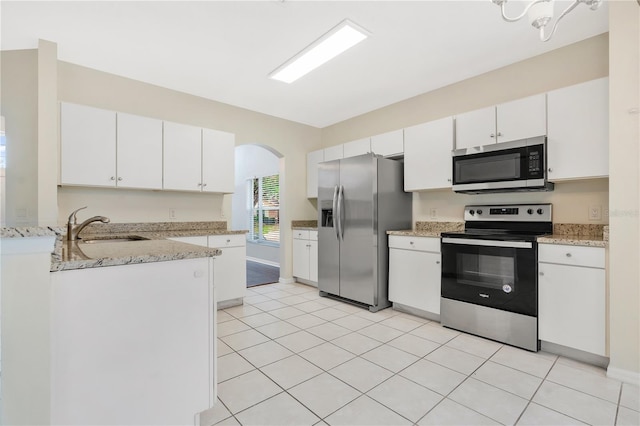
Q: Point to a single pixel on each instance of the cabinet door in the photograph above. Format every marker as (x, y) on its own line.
(389, 144)
(355, 148)
(414, 279)
(427, 155)
(182, 157)
(313, 261)
(230, 273)
(578, 138)
(218, 161)
(313, 159)
(334, 153)
(571, 307)
(88, 146)
(301, 258)
(521, 119)
(139, 152)
(475, 128)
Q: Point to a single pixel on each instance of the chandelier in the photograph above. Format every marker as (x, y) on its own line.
(540, 13)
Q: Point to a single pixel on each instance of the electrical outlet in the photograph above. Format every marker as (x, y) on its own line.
(433, 213)
(595, 212)
(172, 213)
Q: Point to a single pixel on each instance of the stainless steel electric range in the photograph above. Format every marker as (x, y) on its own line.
(490, 273)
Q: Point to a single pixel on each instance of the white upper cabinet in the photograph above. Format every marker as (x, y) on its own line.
(357, 147)
(390, 144)
(198, 159)
(313, 159)
(218, 161)
(519, 119)
(334, 152)
(427, 155)
(182, 157)
(578, 138)
(522, 118)
(475, 128)
(139, 152)
(114, 149)
(88, 146)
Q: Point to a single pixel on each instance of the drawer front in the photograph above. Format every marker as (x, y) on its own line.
(221, 241)
(313, 235)
(301, 234)
(415, 243)
(593, 257)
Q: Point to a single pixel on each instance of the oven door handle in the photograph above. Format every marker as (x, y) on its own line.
(487, 243)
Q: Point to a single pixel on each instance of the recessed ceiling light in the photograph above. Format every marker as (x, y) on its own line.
(340, 38)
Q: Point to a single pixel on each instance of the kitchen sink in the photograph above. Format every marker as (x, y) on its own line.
(113, 239)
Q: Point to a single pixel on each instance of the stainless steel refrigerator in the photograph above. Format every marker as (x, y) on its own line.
(359, 200)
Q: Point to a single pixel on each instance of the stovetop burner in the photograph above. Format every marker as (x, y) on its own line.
(510, 222)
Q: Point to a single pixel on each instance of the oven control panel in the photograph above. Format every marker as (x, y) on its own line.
(509, 212)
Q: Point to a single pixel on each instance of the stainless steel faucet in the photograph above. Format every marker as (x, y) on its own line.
(73, 229)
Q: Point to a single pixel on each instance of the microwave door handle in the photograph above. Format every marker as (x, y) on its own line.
(335, 211)
(487, 243)
(340, 208)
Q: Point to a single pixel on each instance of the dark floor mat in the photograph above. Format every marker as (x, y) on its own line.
(259, 273)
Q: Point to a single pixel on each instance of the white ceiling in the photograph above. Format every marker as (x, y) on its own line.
(224, 50)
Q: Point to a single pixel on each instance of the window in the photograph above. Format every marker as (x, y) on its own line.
(264, 209)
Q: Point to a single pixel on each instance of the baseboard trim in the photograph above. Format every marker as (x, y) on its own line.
(626, 376)
(264, 262)
(283, 280)
(306, 282)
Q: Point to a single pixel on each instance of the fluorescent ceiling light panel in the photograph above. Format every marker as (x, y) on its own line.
(340, 38)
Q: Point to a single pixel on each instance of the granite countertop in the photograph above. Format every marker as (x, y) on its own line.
(563, 233)
(304, 225)
(429, 229)
(153, 247)
(577, 235)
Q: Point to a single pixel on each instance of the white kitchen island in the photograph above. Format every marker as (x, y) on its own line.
(116, 333)
(133, 344)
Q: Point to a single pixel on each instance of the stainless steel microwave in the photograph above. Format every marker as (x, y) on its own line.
(502, 167)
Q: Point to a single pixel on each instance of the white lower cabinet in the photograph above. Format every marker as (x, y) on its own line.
(133, 344)
(414, 272)
(572, 297)
(229, 269)
(305, 256)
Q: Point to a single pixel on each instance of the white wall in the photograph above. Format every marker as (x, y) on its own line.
(252, 161)
(624, 157)
(571, 201)
(19, 105)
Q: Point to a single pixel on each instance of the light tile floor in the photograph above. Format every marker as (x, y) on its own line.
(288, 356)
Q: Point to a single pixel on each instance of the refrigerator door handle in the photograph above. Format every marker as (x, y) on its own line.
(340, 207)
(335, 211)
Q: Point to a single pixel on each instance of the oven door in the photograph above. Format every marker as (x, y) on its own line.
(497, 274)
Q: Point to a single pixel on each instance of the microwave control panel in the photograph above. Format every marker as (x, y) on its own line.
(535, 161)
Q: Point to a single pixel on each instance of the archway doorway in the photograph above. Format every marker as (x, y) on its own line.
(255, 206)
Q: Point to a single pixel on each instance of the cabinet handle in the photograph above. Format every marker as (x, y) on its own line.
(113, 178)
(228, 241)
(204, 184)
(199, 184)
(550, 170)
(449, 180)
(411, 242)
(437, 262)
(568, 254)
(492, 135)
(119, 179)
(499, 133)
(541, 273)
